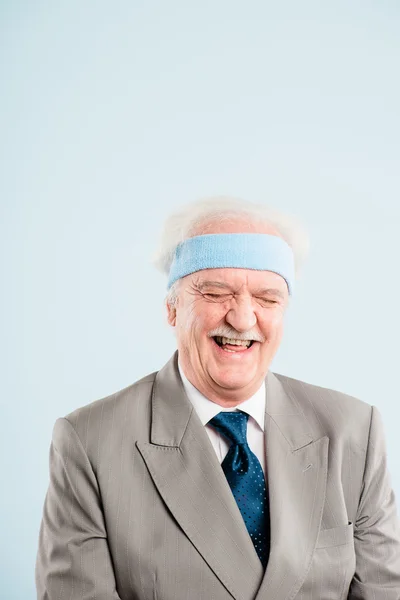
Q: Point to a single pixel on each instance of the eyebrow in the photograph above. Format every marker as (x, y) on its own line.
(219, 284)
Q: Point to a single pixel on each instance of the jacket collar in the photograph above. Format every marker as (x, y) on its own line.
(171, 409)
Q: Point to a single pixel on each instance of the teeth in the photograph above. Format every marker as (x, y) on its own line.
(224, 340)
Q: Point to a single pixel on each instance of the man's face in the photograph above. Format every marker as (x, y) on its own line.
(242, 304)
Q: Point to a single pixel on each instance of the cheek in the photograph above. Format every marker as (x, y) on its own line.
(272, 325)
(196, 319)
(205, 316)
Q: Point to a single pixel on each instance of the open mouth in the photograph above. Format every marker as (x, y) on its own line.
(231, 343)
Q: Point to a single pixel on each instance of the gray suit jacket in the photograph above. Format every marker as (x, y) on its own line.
(138, 507)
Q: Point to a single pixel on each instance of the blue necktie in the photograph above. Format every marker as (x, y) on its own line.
(246, 479)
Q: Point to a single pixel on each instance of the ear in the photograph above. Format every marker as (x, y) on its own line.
(171, 315)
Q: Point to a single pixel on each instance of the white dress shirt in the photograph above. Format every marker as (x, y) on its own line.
(206, 410)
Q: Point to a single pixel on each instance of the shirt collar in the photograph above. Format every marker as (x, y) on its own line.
(206, 409)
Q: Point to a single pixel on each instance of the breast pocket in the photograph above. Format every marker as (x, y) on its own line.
(338, 536)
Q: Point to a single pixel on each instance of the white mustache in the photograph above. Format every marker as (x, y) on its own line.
(234, 335)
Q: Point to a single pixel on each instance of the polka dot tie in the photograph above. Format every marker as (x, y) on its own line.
(246, 479)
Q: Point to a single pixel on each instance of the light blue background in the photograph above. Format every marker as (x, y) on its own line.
(112, 115)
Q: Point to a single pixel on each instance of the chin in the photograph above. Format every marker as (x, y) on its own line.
(232, 381)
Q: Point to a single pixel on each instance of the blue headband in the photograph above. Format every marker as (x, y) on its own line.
(259, 251)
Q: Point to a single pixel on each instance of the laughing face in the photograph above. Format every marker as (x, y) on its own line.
(229, 324)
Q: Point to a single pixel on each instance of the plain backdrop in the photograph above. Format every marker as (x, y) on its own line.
(114, 114)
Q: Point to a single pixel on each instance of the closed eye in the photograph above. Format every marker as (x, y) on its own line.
(217, 296)
(268, 300)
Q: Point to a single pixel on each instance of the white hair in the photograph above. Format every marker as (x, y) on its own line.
(181, 225)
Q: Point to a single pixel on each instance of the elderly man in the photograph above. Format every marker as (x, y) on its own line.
(215, 478)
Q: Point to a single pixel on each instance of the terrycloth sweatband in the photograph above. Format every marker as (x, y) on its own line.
(258, 251)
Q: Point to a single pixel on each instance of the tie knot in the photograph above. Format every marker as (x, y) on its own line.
(232, 425)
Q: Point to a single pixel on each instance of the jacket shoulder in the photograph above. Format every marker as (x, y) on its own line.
(333, 413)
(130, 404)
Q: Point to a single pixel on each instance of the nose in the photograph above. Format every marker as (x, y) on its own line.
(241, 314)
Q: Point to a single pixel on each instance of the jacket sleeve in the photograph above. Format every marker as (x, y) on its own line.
(377, 526)
(73, 560)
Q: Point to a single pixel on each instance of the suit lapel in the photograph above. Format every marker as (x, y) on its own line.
(187, 474)
(296, 474)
